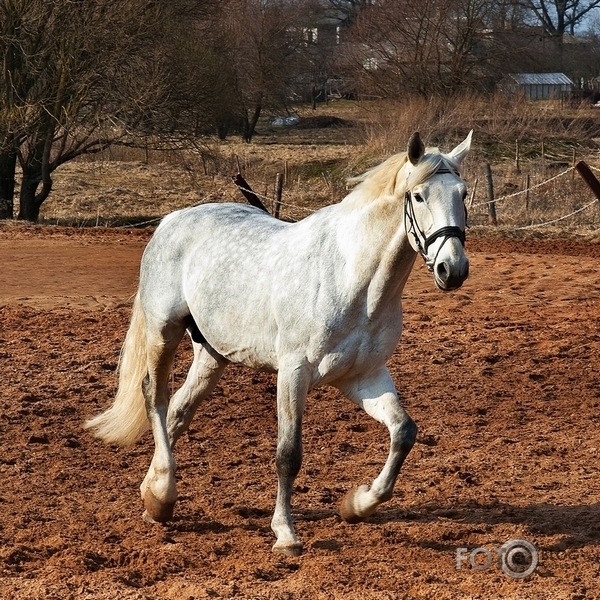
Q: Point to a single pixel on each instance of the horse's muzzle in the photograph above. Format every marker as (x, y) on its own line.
(451, 275)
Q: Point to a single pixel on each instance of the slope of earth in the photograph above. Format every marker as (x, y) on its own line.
(501, 376)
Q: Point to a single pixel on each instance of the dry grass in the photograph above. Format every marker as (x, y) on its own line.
(127, 185)
(113, 191)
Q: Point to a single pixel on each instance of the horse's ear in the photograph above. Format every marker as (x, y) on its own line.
(416, 148)
(460, 152)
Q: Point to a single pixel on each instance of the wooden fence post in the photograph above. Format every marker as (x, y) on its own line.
(527, 180)
(247, 192)
(490, 193)
(543, 158)
(473, 193)
(589, 178)
(278, 192)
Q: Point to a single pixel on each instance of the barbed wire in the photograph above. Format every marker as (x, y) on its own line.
(242, 189)
(140, 224)
(542, 183)
(272, 200)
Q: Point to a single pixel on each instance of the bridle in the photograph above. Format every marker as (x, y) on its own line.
(423, 242)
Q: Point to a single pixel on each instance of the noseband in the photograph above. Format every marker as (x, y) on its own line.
(423, 242)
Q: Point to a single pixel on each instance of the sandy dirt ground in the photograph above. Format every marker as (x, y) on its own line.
(502, 377)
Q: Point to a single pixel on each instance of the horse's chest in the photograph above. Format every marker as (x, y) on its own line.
(362, 349)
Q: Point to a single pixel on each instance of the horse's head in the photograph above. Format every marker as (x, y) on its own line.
(435, 214)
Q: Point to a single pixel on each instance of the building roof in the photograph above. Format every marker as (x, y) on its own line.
(541, 78)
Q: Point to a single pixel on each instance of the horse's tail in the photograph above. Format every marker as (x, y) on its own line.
(126, 420)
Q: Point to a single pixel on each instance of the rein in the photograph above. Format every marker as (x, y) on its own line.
(423, 242)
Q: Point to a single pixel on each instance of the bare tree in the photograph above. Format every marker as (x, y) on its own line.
(558, 17)
(463, 30)
(262, 44)
(419, 46)
(439, 47)
(395, 50)
(77, 76)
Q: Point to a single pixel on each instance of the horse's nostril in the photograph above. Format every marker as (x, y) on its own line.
(442, 271)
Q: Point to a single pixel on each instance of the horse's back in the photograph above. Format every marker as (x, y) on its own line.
(223, 264)
(202, 239)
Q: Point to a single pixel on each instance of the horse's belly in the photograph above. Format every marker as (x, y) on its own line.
(240, 333)
(252, 357)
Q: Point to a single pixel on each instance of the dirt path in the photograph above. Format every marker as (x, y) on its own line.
(501, 376)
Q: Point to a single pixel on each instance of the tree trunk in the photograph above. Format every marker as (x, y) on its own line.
(223, 125)
(250, 124)
(36, 170)
(29, 209)
(30, 201)
(8, 164)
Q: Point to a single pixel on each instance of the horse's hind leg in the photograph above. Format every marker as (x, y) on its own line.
(377, 395)
(205, 371)
(159, 492)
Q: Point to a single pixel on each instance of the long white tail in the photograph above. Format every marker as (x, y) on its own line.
(125, 421)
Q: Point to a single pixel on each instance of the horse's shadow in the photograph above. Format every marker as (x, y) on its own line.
(578, 525)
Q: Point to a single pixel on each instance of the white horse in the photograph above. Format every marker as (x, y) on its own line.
(318, 302)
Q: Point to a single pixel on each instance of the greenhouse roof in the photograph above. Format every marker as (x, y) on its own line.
(541, 78)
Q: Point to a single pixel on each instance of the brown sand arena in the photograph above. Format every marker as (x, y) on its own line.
(502, 377)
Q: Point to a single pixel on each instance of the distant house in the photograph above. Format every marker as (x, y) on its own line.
(538, 86)
(325, 28)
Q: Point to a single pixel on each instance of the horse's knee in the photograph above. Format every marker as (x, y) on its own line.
(289, 458)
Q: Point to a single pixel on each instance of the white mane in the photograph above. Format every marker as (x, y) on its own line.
(386, 179)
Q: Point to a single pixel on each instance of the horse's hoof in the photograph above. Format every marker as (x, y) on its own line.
(157, 512)
(294, 549)
(147, 518)
(347, 508)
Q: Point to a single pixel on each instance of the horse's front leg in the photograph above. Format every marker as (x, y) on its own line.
(292, 387)
(377, 395)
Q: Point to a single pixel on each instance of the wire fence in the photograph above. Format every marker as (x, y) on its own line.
(552, 206)
(553, 201)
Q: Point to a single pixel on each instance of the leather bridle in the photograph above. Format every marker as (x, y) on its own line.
(422, 241)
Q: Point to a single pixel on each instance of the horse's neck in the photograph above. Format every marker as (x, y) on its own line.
(375, 245)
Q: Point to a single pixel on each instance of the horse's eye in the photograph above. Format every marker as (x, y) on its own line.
(418, 197)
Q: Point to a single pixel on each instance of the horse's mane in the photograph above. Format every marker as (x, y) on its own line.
(386, 180)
